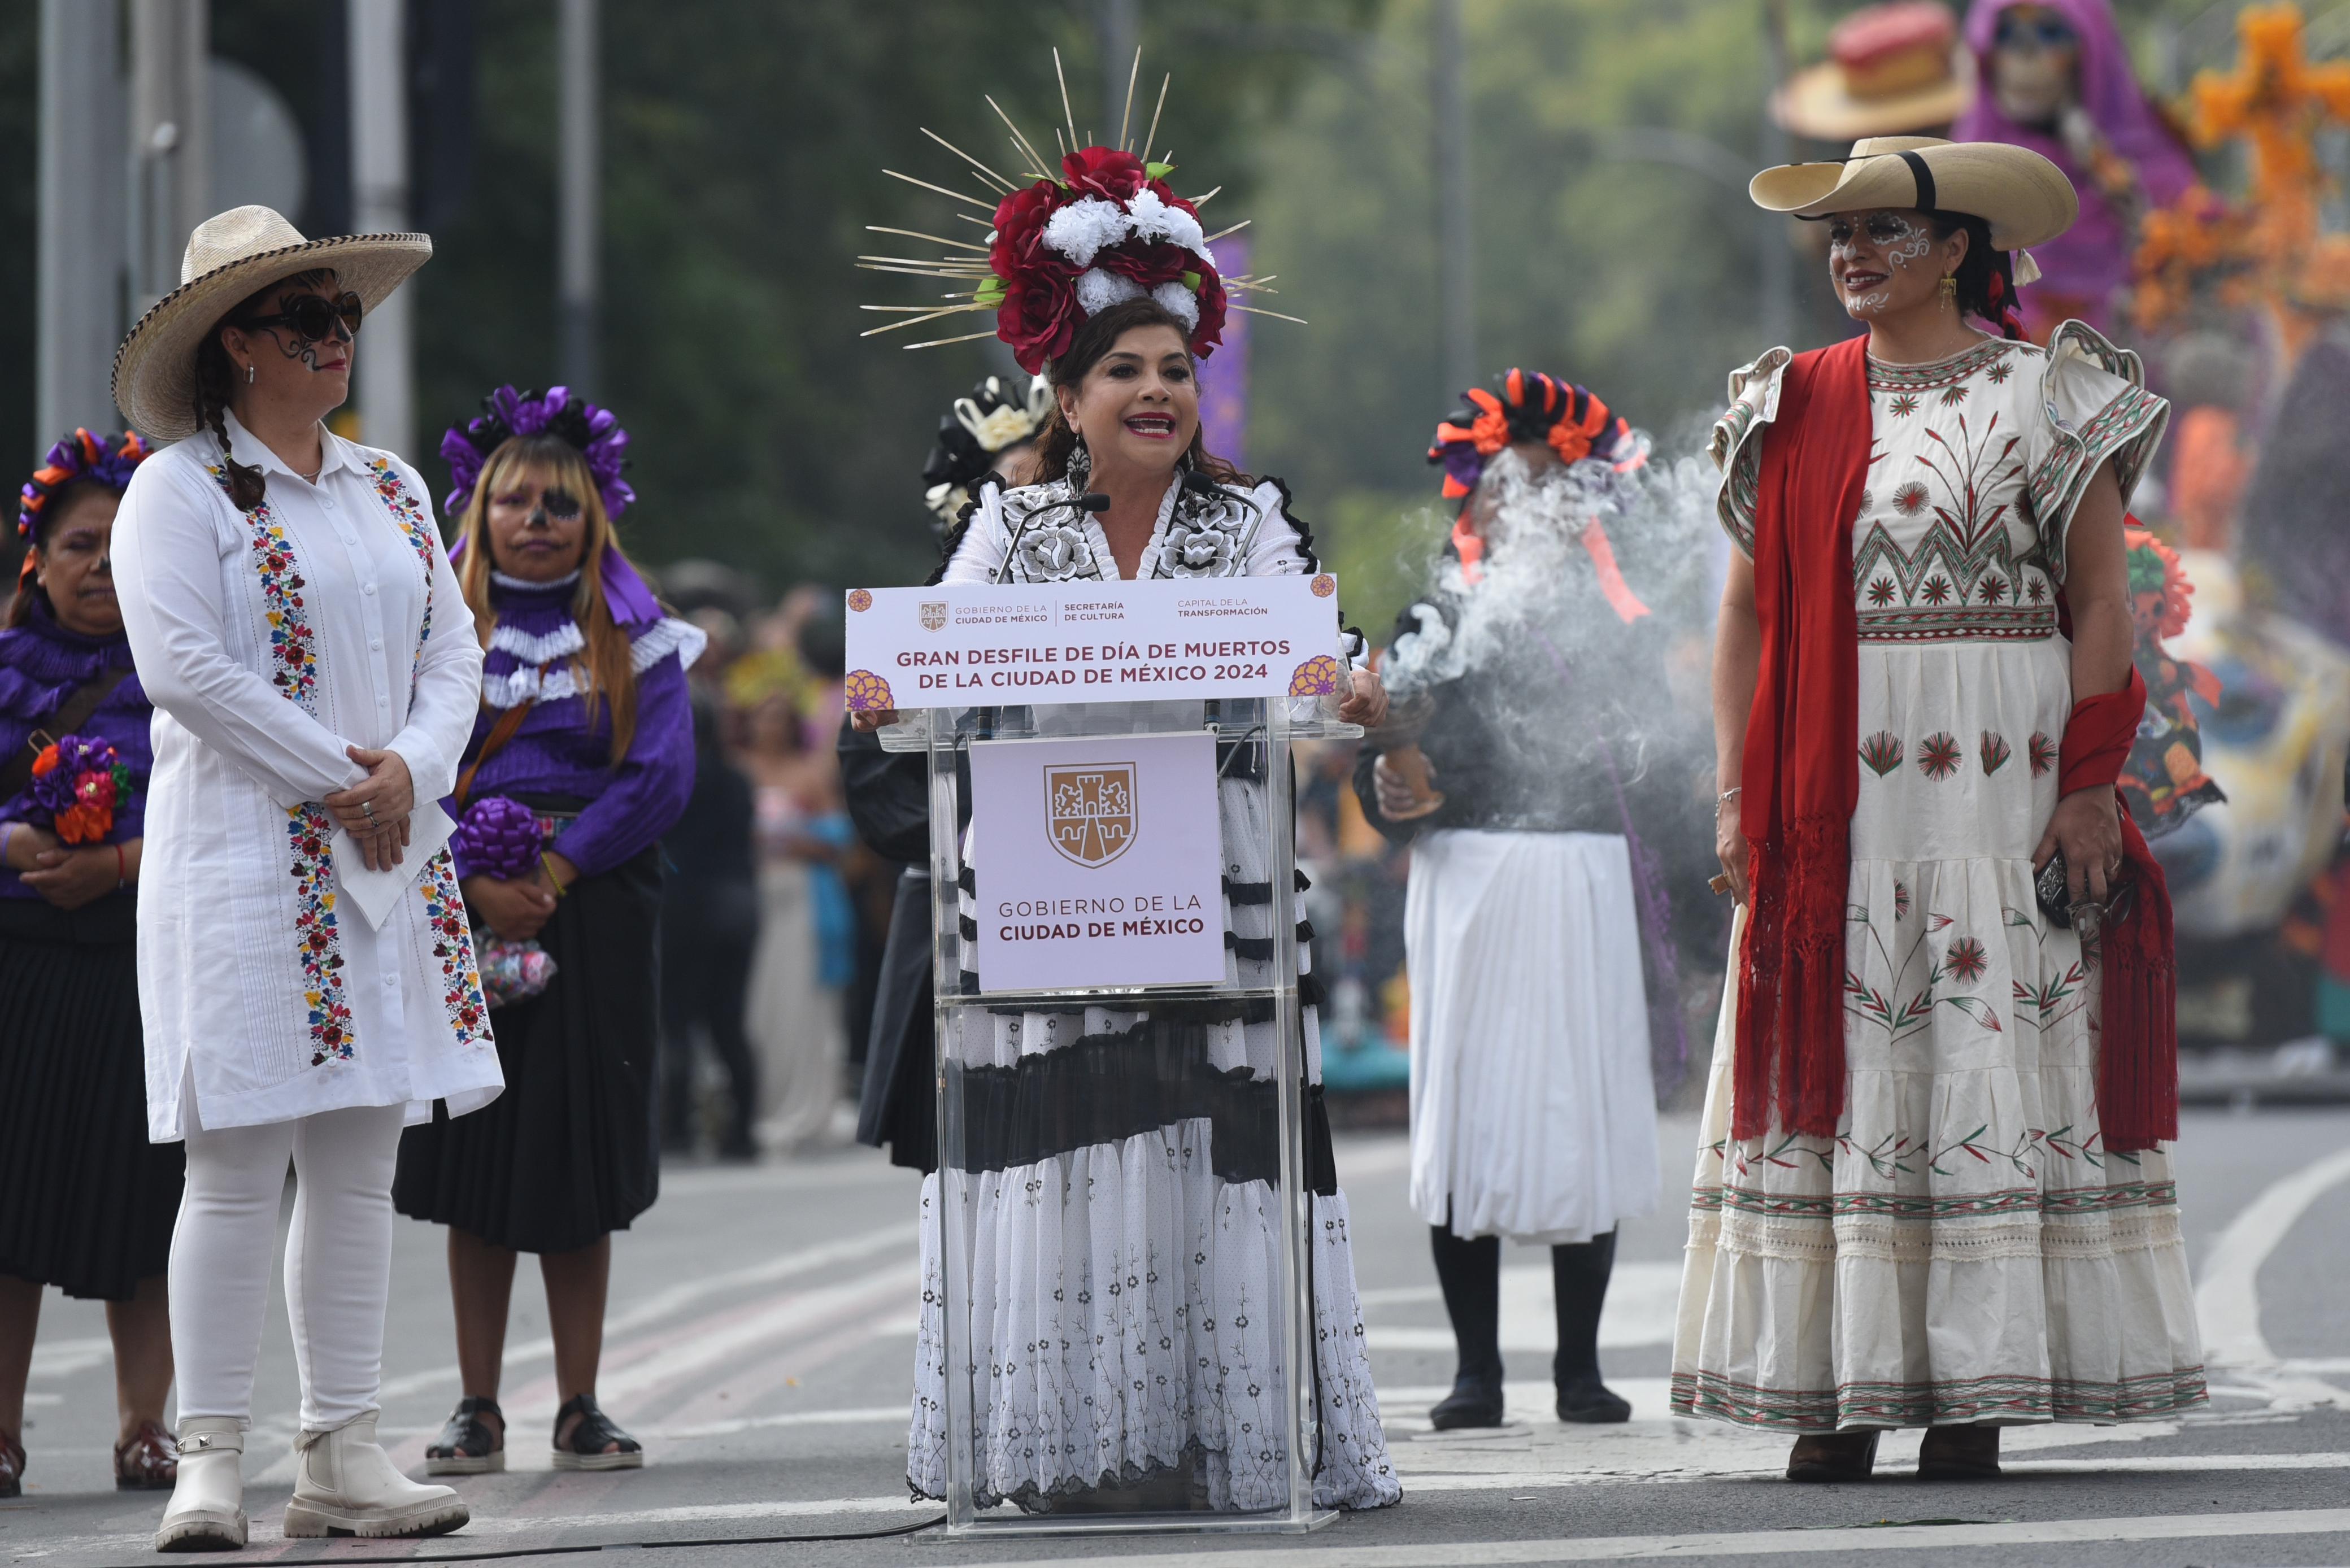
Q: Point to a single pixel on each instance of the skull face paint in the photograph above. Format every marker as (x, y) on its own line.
(1881, 260)
(536, 525)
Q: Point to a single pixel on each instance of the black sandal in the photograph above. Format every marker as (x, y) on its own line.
(467, 1447)
(595, 1433)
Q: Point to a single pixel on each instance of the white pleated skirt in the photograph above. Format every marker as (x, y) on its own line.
(1533, 1109)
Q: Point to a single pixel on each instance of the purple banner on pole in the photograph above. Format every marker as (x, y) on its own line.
(1224, 379)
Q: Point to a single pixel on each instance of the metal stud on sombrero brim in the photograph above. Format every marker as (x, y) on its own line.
(230, 256)
(2026, 198)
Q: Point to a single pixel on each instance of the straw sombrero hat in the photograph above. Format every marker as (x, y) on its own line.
(1890, 69)
(2026, 198)
(230, 256)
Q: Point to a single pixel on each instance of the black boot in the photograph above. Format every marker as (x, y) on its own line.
(1470, 1274)
(1578, 1282)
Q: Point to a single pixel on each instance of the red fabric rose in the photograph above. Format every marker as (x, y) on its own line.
(1103, 171)
(1038, 318)
(1149, 264)
(1210, 330)
(1019, 248)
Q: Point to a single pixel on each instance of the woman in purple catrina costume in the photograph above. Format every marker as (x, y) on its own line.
(581, 759)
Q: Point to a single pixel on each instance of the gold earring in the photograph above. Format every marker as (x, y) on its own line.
(1950, 287)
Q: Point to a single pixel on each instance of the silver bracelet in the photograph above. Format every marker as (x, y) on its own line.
(1726, 796)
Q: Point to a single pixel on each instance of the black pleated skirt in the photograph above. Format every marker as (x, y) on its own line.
(570, 1152)
(86, 1204)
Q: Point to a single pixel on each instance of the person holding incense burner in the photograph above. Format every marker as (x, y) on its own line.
(1523, 679)
(582, 757)
(1933, 1184)
(89, 1200)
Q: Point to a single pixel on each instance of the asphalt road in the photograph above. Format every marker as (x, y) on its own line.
(761, 1343)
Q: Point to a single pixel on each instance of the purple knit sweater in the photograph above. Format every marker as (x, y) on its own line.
(41, 665)
(557, 752)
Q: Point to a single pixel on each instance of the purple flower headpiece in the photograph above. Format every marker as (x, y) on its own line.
(507, 413)
(81, 455)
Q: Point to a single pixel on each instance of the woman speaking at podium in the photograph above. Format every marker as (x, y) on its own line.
(1117, 310)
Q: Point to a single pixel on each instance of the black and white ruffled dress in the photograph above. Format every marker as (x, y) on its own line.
(1125, 1259)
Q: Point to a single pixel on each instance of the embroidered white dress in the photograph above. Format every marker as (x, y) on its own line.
(1121, 1289)
(1966, 1247)
(270, 641)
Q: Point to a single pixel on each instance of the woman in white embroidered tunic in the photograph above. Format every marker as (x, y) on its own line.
(1063, 1342)
(305, 972)
(1965, 1251)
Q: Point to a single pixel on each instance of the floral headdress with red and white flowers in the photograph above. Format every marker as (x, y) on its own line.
(1060, 247)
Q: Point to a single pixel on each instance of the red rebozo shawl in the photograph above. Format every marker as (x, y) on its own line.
(2137, 1059)
(1800, 774)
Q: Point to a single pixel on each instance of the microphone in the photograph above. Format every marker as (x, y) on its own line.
(1091, 501)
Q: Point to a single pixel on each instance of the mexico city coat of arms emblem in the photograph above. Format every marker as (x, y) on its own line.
(934, 615)
(1091, 811)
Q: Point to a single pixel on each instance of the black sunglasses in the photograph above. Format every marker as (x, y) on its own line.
(314, 315)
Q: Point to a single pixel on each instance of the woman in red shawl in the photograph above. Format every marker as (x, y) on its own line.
(1932, 1190)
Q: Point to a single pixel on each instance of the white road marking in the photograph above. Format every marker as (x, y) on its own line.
(658, 1308)
(64, 1357)
(2227, 1302)
(1642, 1298)
(1757, 1542)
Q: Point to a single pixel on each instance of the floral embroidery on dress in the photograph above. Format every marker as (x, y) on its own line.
(2043, 751)
(1995, 753)
(408, 513)
(293, 658)
(1882, 752)
(1939, 758)
(307, 830)
(293, 646)
(453, 944)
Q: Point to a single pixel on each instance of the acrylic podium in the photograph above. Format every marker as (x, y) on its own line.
(1122, 1220)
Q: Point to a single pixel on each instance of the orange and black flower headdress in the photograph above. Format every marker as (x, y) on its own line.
(1526, 405)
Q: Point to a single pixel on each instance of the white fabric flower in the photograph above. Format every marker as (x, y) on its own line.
(1084, 229)
(1098, 290)
(1000, 428)
(1179, 303)
(1155, 220)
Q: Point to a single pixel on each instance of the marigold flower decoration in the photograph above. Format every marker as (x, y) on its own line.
(1068, 241)
(81, 784)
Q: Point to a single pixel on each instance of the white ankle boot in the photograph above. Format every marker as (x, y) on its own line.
(346, 1485)
(207, 1508)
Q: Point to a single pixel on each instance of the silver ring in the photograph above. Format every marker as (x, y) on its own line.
(368, 807)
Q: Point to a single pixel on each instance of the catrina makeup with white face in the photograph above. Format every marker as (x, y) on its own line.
(1886, 261)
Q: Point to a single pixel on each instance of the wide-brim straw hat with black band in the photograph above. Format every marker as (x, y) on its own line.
(2025, 198)
(230, 256)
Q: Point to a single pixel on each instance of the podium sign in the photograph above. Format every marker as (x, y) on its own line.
(1101, 862)
(1146, 640)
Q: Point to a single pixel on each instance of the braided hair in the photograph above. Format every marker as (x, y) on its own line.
(216, 387)
(1986, 278)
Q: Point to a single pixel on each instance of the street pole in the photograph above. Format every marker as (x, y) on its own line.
(81, 238)
(379, 86)
(1120, 25)
(1775, 279)
(581, 225)
(170, 154)
(1456, 253)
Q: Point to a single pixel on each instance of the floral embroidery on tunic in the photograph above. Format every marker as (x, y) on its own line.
(295, 657)
(293, 646)
(453, 944)
(408, 513)
(307, 830)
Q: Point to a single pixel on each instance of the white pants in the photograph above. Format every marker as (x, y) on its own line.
(338, 1261)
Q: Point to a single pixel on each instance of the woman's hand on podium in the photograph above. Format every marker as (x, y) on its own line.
(865, 721)
(1367, 704)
